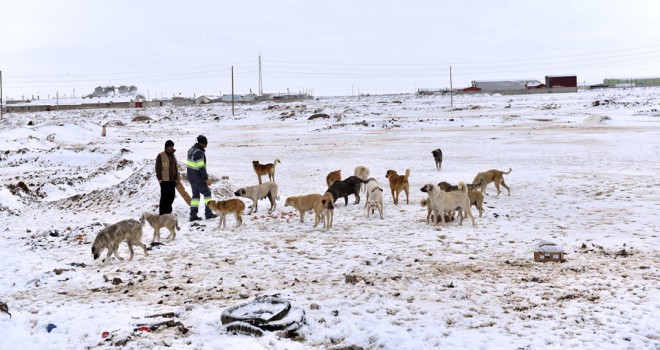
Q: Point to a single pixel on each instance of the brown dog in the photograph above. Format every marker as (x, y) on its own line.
(398, 183)
(494, 176)
(333, 177)
(229, 206)
(265, 169)
(303, 203)
(324, 210)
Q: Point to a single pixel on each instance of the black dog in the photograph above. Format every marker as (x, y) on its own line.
(346, 187)
(437, 155)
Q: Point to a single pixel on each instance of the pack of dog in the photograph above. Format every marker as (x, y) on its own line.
(398, 183)
(346, 187)
(493, 175)
(255, 193)
(442, 201)
(265, 169)
(110, 237)
(168, 221)
(230, 206)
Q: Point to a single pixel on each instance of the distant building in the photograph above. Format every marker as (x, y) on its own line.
(632, 82)
(206, 99)
(502, 85)
(561, 81)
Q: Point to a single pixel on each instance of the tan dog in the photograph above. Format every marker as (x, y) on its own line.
(493, 175)
(442, 201)
(398, 183)
(265, 169)
(234, 205)
(427, 203)
(475, 196)
(324, 210)
(333, 177)
(363, 173)
(303, 203)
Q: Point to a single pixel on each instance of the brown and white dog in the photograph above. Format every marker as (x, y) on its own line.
(493, 175)
(332, 177)
(257, 192)
(442, 201)
(303, 203)
(398, 183)
(265, 169)
(231, 206)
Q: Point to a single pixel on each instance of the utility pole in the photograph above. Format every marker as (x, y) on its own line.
(261, 84)
(1, 105)
(451, 90)
(232, 90)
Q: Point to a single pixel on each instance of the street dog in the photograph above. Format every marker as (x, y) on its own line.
(344, 188)
(442, 201)
(303, 203)
(324, 210)
(332, 177)
(475, 196)
(493, 175)
(255, 193)
(398, 183)
(375, 201)
(157, 222)
(234, 205)
(363, 173)
(371, 184)
(265, 169)
(437, 156)
(426, 203)
(129, 231)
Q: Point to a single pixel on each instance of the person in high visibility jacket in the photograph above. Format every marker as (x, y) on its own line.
(199, 179)
(167, 173)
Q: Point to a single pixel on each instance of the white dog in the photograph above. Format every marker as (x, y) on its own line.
(369, 186)
(442, 201)
(255, 193)
(375, 201)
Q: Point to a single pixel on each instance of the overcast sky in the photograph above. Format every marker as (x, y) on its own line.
(333, 47)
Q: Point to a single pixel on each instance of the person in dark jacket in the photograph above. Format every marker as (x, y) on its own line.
(167, 173)
(199, 179)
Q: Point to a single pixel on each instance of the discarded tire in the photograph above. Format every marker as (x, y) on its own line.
(264, 313)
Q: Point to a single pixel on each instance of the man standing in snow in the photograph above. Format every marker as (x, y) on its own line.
(199, 178)
(167, 173)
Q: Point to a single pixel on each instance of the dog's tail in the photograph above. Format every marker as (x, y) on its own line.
(508, 172)
(462, 187)
(405, 178)
(176, 223)
(276, 161)
(424, 203)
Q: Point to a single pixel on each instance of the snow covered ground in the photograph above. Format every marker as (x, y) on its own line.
(585, 175)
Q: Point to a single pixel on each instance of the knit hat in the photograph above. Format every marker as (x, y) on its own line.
(201, 139)
(169, 143)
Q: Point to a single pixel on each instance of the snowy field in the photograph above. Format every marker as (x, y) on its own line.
(585, 176)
